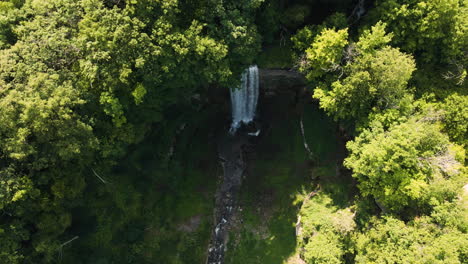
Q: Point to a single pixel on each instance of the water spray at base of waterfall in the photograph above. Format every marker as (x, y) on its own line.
(244, 99)
(254, 134)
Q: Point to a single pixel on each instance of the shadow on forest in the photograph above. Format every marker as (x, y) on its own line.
(152, 211)
(137, 217)
(279, 170)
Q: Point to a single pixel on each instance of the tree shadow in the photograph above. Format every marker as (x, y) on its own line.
(280, 169)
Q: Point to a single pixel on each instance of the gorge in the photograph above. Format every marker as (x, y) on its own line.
(274, 83)
(243, 107)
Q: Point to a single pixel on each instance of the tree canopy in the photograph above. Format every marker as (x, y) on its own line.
(81, 80)
(83, 83)
(357, 78)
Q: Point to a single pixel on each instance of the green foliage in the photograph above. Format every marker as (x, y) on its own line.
(83, 82)
(295, 16)
(456, 118)
(452, 214)
(267, 19)
(367, 76)
(305, 36)
(324, 230)
(141, 214)
(325, 53)
(80, 81)
(269, 201)
(392, 241)
(374, 82)
(9, 15)
(324, 247)
(435, 29)
(374, 39)
(397, 165)
(277, 56)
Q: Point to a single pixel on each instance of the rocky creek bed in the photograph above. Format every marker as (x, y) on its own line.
(230, 149)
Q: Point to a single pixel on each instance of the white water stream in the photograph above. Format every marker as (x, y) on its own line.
(244, 99)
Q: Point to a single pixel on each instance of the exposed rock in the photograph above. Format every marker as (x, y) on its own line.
(273, 81)
(289, 87)
(230, 155)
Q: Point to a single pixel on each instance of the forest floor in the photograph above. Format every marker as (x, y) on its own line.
(280, 171)
(166, 214)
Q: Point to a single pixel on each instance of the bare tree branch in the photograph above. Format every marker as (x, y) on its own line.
(69, 241)
(99, 177)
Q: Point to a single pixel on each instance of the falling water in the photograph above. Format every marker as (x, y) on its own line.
(244, 99)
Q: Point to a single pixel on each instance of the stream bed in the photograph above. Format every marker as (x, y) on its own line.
(233, 164)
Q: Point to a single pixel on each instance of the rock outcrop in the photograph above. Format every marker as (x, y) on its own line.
(274, 81)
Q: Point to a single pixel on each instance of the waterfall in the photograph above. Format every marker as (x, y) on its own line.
(244, 99)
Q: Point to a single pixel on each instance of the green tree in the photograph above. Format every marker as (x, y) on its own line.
(367, 76)
(324, 230)
(9, 15)
(455, 121)
(435, 29)
(324, 54)
(83, 81)
(392, 241)
(306, 35)
(407, 164)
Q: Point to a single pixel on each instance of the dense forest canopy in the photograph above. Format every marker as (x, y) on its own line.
(83, 83)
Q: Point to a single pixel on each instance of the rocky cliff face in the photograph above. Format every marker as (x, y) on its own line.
(283, 87)
(291, 86)
(274, 81)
